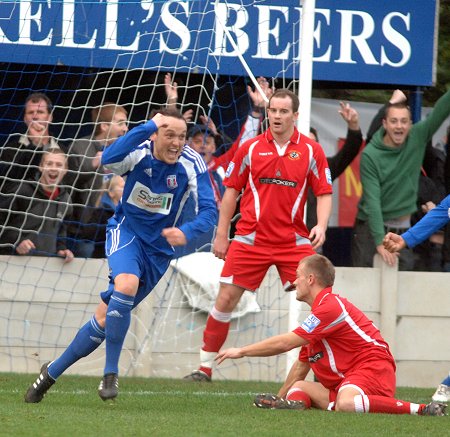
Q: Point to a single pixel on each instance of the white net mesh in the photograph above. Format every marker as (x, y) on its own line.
(83, 55)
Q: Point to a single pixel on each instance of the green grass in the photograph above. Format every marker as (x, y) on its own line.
(163, 407)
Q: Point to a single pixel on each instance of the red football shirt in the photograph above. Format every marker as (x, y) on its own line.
(341, 338)
(272, 205)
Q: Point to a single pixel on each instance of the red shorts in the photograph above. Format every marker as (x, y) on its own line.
(373, 378)
(246, 266)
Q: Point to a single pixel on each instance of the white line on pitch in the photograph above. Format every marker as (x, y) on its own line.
(144, 393)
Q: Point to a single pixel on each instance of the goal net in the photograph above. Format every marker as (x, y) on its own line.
(83, 55)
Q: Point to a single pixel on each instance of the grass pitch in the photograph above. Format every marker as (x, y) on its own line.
(164, 407)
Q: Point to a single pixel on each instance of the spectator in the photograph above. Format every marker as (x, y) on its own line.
(390, 169)
(20, 157)
(107, 202)
(202, 138)
(203, 141)
(86, 173)
(348, 355)
(140, 238)
(428, 254)
(273, 169)
(251, 126)
(220, 138)
(342, 159)
(33, 225)
(434, 220)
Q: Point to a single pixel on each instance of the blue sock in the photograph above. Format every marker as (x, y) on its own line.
(118, 316)
(89, 337)
(446, 381)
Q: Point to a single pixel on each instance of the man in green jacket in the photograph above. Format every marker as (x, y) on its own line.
(390, 169)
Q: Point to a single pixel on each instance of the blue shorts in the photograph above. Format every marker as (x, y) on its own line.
(128, 254)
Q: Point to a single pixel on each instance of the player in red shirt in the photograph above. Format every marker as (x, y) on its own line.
(274, 169)
(351, 361)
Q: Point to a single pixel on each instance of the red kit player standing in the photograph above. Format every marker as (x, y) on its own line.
(274, 169)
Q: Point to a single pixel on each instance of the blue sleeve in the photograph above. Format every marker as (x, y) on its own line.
(207, 210)
(429, 224)
(124, 145)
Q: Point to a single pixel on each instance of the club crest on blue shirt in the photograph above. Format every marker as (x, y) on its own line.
(172, 181)
(328, 176)
(310, 323)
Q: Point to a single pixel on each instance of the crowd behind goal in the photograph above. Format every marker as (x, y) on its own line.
(56, 199)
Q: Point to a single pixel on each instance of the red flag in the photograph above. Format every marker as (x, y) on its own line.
(350, 191)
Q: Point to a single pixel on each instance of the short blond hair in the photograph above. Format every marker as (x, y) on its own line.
(107, 187)
(322, 268)
(53, 151)
(105, 114)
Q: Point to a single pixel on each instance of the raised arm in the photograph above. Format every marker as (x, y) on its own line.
(171, 89)
(353, 142)
(122, 155)
(259, 103)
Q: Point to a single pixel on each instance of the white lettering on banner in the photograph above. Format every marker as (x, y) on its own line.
(397, 39)
(376, 39)
(264, 29)
(176, 26)
(112, 18)
(27, 19)
(68, 28)
(347, 37)
(317, 33)
(392, 35)
(241, 38)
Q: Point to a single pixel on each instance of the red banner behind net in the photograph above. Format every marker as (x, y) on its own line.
(350, 190)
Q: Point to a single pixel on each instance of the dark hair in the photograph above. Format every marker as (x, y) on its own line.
(283, 92)
(35, 97)
(313, 130)
(399, 105)
(169, 112)
(199, 129)
(321, 267)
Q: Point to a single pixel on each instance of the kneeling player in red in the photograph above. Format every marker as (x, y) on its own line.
(352, 362)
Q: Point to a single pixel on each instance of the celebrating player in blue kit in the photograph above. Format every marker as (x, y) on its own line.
(159, 175)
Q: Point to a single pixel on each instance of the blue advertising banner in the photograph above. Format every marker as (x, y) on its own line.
(371, 41)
